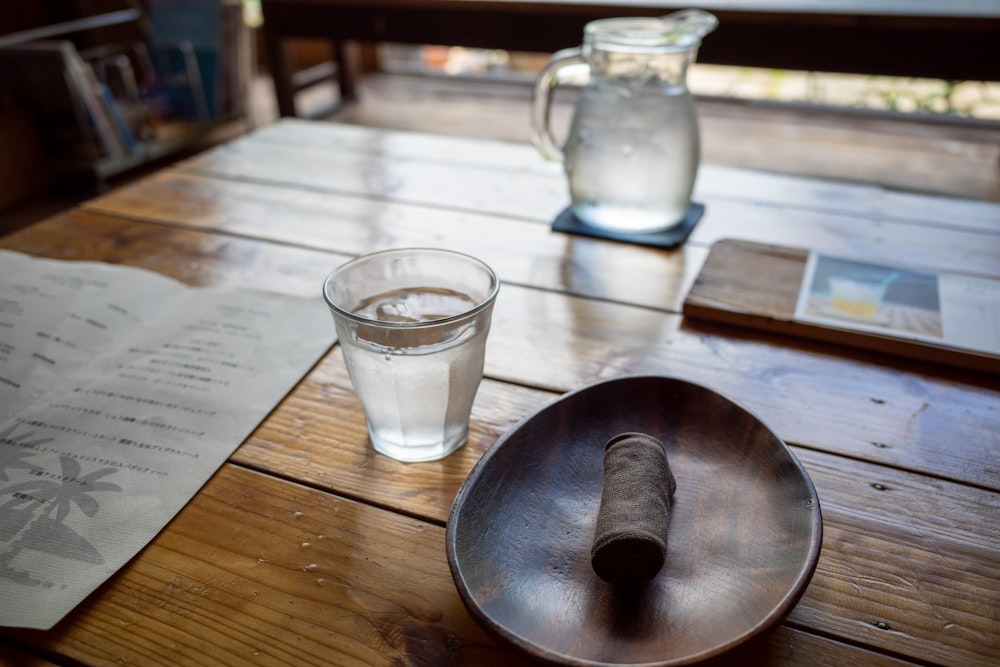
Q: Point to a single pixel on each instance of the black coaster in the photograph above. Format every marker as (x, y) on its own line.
(668, 238)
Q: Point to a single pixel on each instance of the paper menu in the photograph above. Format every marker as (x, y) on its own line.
(944, 309)
(121, 393)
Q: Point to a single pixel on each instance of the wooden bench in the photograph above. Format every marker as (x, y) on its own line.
(948, 39)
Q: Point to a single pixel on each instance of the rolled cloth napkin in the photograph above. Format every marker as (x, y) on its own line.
(630, 539)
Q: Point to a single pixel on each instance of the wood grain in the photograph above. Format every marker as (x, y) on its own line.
(308, 548)
(714, 181)
(873, 239)
(14, 657)
(395, 190)
(893, 567)
(898, 416)
(197, 258)
(331, 585)
(812, 394)
(858, 146)
(937, 582)
(518, 250)
(175, 601)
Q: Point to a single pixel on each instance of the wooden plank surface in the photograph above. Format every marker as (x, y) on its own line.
(839, 220)
(724, 182)
(557, 342)
(15, 657)
(309, 548)
(341, 460)
(515, 248)
(307, 184)
(332, 586)
(175, 599)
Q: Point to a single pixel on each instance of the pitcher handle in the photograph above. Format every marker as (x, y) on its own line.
(560, 65)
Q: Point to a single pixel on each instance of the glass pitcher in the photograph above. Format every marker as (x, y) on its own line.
(633, 148)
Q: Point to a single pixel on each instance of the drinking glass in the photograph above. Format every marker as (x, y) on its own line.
(412, 324)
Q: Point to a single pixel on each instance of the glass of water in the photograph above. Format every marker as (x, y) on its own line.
(412, 324)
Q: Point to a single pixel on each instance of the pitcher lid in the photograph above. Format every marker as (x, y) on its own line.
(679, 31)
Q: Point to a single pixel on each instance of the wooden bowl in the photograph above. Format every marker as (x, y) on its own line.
(745, 530)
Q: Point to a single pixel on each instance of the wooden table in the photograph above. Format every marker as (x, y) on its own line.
(947, 39)
(308, 548)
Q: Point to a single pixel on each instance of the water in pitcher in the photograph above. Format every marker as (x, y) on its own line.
(632, 156)
(418, 398)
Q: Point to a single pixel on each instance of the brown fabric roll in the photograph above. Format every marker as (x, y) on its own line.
(630, 539)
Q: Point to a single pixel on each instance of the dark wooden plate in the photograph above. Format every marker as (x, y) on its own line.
(745, 530)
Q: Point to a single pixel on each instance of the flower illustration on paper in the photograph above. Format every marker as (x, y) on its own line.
(33, 517)
(13, 456)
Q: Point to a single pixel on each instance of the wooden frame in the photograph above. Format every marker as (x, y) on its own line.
(928, 38)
